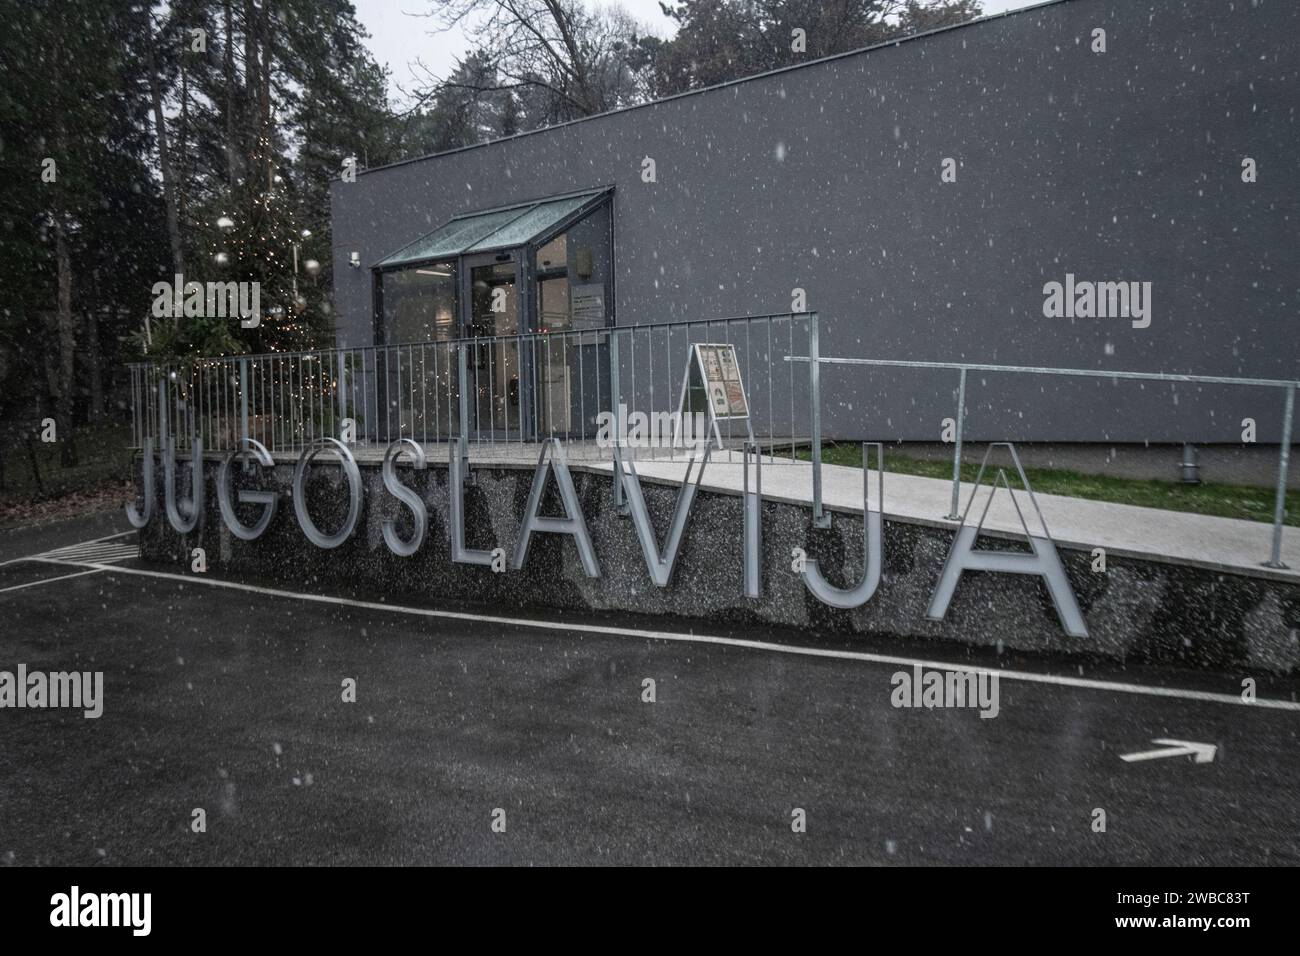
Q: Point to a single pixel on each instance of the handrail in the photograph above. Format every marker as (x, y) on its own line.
(481, 339)
(1284, 449)
(493, 390)
(1042, 370)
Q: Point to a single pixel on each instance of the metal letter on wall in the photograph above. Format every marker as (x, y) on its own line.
(456, 490)
(404, 549)
(753, 536)
(139, 517)
(572, 523)
(1044, 561)
(661, 567)
(872, 544)
(185, 522)
(267, 499)
(353, 475)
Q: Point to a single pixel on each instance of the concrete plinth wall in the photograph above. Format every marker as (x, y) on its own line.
(1141, 610)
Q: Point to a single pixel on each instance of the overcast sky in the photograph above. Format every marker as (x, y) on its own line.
(397, 38)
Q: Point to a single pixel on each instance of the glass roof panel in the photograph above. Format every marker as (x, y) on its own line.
(481, 232)
(531, 224)
(452, 238)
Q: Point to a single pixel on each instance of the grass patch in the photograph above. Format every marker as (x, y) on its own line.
(103, 459)
(1222, 501)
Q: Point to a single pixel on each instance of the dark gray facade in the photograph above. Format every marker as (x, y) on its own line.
(1117, 166)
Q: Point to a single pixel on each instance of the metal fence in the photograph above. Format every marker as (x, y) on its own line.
(1284, 451)
(502, 395)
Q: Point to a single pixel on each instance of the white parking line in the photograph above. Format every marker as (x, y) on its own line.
(1023, 676)
(82, 544)
(61, 577)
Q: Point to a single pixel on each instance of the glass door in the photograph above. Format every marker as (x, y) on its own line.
(491, 313)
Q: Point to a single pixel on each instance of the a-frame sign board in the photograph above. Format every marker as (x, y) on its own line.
(712, 385)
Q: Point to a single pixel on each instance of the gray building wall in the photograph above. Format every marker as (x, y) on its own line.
(1117, 166)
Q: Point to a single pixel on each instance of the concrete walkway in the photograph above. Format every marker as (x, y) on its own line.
(1175, 537)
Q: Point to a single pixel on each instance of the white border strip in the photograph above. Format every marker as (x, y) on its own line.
(61, 577)
(1028, 677)
(33, 557)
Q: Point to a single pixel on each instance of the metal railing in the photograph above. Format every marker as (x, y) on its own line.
(526, 388)
(962, 368)
(502, 394)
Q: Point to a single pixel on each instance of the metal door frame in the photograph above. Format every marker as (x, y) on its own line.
(465, 267)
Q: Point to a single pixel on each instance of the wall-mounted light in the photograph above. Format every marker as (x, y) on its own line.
(355, 260)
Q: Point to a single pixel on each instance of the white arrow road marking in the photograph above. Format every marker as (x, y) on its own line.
(1203, 753)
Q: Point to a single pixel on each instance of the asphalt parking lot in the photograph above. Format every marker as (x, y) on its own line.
(229, 697)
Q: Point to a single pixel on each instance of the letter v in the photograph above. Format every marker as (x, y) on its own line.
(661, 567)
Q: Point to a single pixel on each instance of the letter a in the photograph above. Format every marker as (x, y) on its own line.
(59, 914)
(572, 523)
(1044, 561)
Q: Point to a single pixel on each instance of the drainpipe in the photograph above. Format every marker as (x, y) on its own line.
(1190, 470)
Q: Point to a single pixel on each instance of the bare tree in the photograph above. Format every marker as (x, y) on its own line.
(722, 40)
(170, 190)
(552, 52)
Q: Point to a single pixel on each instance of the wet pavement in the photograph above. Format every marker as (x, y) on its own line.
(230, 699)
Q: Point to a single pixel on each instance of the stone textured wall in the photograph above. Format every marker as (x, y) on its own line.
(1140, 610)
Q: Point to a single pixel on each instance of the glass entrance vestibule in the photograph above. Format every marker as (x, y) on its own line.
(500, 278)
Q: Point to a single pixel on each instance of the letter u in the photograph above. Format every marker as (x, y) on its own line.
(183, 522)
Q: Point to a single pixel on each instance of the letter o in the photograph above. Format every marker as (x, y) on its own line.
(313, 533)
